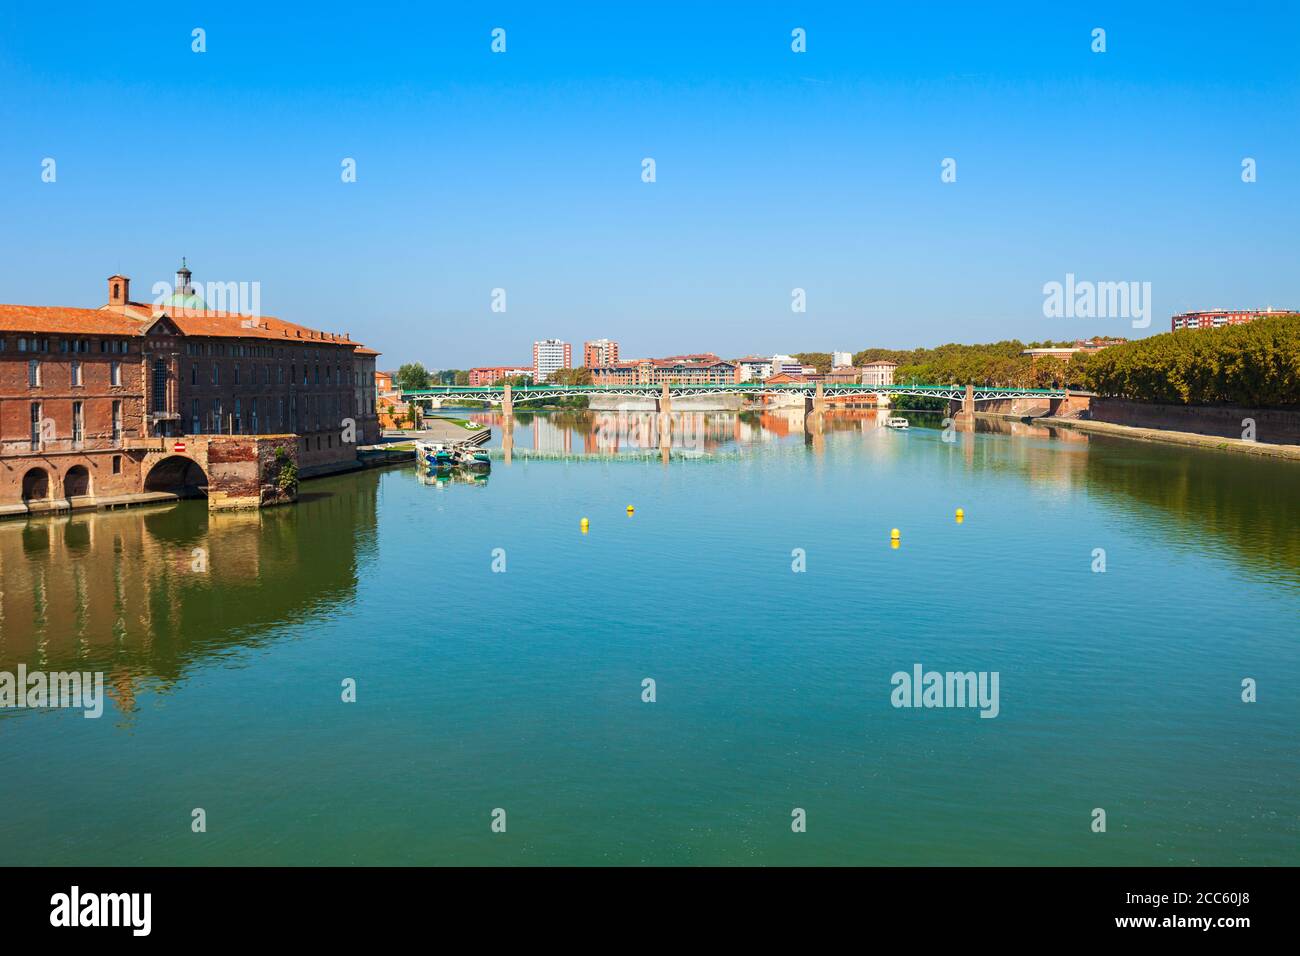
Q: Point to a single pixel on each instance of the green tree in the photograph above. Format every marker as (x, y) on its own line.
(1256, 365)
(822, 360)
(571, 376)
(412, 375)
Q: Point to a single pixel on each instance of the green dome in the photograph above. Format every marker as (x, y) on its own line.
(182, 300)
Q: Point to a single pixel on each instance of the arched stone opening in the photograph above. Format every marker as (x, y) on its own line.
(181, 476)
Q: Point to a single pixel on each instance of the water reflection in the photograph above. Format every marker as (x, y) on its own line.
(144, 594)
(1201, 498)
(584, 433)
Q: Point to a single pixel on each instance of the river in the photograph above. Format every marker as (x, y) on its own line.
(501, 655)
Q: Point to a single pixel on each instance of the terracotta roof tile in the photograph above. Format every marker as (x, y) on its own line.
(52, 320)
(135, 318)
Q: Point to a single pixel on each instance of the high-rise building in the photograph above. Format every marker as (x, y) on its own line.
(599, 353)
(841, 359)
(549, 356)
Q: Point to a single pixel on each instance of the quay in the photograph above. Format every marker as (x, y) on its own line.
(1214, 442)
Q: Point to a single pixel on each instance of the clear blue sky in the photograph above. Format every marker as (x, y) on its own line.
(775, 170)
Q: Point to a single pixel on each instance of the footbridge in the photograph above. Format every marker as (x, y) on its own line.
(962, 399)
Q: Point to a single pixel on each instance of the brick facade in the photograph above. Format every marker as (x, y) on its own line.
(87, 394)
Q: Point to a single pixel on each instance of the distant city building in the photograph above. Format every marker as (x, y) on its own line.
(1061, 353)
(841, 360)
(878, 373)
(549, 356)
(491, 374)
(599, 353)
(753, 368)
(1217, 318)
(842, 375)
(786, 363)
(1064, 353)
(384, 382)
(699, 369)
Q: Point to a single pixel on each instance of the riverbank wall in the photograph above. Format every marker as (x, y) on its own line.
(1014, 407)
(1273, 426)
(1215, 442)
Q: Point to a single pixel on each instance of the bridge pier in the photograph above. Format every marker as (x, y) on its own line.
(664, 404)
(507, 404)
(816, 404)
(1068, 404)
(966, 412)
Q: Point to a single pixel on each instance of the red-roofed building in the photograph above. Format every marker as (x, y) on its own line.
(88, 395)
(491, 374)
(1218, 318)
(700, 369)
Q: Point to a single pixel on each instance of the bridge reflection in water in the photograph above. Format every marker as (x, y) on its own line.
(686, 434)
(1228, 495)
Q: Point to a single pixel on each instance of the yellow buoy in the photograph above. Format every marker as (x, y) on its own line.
(894, 543)
(961, 515)
(894, 535)
(630, 509)
(583, 524)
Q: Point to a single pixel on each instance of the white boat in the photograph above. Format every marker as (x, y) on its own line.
(897, 423)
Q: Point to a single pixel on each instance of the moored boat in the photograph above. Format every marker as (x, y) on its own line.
(471, 458)
(439, 457)
(434, 455)
(899, 423)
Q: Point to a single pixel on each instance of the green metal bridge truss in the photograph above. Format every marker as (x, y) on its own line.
(529, 393)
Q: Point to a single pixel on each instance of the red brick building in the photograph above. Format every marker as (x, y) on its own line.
(599, 353)
(491, 374)
(1218, 318)
(90, 398)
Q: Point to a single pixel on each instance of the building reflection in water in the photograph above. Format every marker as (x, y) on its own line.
(685, 433)
(145, 594)
(1199, 495)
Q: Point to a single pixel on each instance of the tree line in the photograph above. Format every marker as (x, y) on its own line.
(1001, 364)
(1256, 365)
